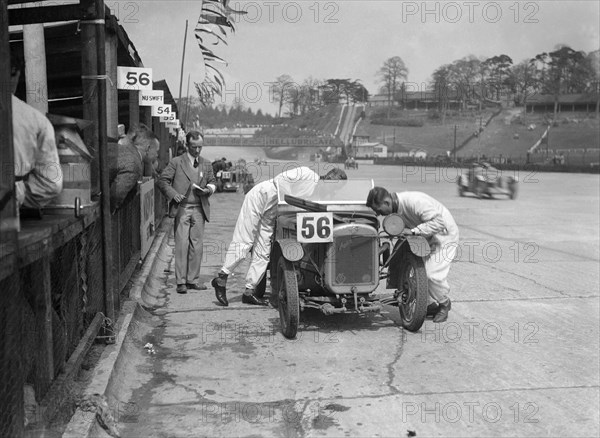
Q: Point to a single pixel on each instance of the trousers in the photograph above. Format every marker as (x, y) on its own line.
(438, 262)
(189, 234)
(253, 232)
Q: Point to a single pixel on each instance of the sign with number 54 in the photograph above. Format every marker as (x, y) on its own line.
(134, 78)
(315, 227)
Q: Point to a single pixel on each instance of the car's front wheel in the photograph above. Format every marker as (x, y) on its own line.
(413, 291)
(288, 298)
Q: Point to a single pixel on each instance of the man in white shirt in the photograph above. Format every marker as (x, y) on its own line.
(255, 226)
(38, 174)
(425, 216)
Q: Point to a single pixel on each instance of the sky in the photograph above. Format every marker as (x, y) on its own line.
(349, 39)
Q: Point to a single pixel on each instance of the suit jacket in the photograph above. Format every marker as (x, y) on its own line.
(179, 175)
(125, 170)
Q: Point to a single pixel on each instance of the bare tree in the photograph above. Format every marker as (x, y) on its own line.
(281, 90)
(391, 75)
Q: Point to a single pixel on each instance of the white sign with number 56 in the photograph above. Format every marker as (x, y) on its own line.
(134, 78)
(315, 227)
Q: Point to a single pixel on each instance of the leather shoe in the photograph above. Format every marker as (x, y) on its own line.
(220, 292)
(432, 309)
(196, 286)
(253, 299)
(442, 314)
(181, 289)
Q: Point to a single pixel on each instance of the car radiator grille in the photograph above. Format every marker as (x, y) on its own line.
(354, 260)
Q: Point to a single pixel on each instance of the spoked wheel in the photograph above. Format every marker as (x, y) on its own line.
(412, 300)
(288, 298)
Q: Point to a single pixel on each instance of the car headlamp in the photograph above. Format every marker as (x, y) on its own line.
(393, 224)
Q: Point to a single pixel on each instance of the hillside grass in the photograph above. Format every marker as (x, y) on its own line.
(322, 121)
(434, 137)
(573, 132)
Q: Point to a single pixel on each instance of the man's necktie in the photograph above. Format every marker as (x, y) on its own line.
(195, 162)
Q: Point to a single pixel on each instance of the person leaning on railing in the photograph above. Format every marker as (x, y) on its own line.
(134, 157)
(38, 175)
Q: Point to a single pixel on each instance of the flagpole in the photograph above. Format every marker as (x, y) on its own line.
(183, 60)
(187, 102)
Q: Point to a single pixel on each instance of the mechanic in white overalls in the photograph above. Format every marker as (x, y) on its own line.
(427, 217)
(255, 225)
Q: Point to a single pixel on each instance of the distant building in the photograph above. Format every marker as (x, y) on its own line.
(361, 136)
(418, 100)
(231, 132)
(398, 150)
(370, 150)
(585, 102)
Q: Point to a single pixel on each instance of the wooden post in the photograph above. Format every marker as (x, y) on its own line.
(43, 314)
(93, 78)
(112, 96)
(145, 115)
(36, 81)
(134, 110)
(454, 148)
(11, 397)
(8, 222)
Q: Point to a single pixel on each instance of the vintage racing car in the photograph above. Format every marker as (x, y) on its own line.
(328, 254)
(230, 180)
(483, 179)
(350, 163)
(226, 181)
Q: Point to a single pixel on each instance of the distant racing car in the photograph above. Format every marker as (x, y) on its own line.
(482, 179)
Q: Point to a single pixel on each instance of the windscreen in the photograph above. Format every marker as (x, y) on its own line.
(354, 191)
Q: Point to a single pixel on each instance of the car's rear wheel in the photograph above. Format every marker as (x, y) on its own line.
(513, 190)
(288, 298)
(412, 299)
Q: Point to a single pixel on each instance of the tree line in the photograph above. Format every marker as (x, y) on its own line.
(472, 80)
(469, 81)
(295, 99)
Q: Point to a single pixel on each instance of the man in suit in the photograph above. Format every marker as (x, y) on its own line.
(187, 182)
(136, 156)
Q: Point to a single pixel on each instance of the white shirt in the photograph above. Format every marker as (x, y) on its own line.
(35, 156)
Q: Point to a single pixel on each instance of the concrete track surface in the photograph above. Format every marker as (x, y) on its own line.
(519, 355)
